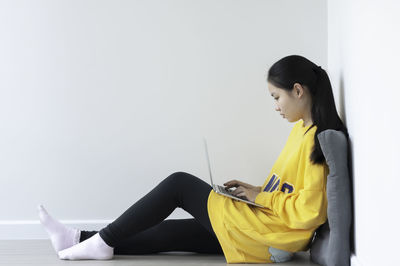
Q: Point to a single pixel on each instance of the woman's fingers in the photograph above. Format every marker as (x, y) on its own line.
(236, 183)
(240, 192)
(245, 193)
(232, 183)
(237, 191)
(242, 195)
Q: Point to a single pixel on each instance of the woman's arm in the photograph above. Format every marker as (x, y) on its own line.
(301, 210)
(306, 206)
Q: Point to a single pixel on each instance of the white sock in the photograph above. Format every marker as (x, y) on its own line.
(93, 248)
(61, 236)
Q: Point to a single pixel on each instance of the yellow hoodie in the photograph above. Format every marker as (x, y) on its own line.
(294, 196)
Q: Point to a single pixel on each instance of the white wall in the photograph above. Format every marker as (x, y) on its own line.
(363, 57)
(101, 100)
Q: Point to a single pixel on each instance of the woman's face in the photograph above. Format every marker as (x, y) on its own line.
(290, 105)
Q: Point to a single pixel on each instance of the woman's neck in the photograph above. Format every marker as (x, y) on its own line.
(307, 119)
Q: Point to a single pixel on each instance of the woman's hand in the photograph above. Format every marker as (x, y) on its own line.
(246, 193)
(236, 183)
(243, 190)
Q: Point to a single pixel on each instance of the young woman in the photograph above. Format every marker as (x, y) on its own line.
(293, 195)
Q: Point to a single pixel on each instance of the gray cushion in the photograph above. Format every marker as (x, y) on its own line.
(331, 243)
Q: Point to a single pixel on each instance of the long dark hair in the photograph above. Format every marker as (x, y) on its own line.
(297, 69)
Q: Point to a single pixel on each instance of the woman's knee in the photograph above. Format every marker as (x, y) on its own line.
(182, 180)
(179, 173)
(177, 177)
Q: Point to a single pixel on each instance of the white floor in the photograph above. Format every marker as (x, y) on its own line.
(40, 252)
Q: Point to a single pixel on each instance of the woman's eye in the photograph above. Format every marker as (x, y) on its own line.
(276, 98)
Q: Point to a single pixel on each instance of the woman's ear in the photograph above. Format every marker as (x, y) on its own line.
(298, 90)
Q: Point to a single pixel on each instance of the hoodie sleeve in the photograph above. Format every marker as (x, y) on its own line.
(302, 209)
(305, 209)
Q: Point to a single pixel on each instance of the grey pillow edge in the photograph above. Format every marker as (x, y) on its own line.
(327, 245)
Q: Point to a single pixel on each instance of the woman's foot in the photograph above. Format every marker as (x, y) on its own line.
(93, 248)
(61, 236)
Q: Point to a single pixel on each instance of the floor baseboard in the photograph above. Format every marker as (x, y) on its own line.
(32, 229)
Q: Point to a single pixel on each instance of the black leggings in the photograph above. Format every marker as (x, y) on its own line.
(142, 229)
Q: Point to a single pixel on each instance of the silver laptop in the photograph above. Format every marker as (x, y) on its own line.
(222, 190)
